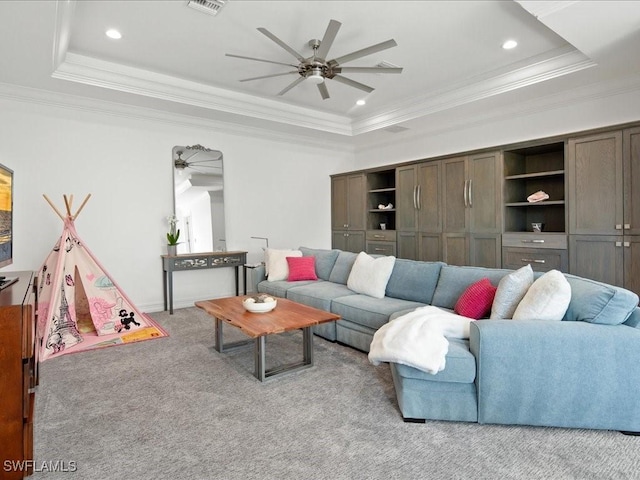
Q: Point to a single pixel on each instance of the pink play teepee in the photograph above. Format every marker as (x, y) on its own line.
(79, 306)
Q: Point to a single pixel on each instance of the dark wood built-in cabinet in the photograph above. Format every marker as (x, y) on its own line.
(472, 208)
(348, 212)
(18, 374)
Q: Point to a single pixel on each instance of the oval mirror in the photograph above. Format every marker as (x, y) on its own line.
(198, 194)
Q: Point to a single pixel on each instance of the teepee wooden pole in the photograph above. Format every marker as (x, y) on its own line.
(53, 206)
(82, 206)
(67, 205)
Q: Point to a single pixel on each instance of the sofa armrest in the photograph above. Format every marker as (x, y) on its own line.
(567, 374)
(257, 275)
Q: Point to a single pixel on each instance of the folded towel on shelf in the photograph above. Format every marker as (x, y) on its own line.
(537, 197)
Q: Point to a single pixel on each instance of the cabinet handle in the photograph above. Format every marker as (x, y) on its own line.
(466, 198)
(618, 244)
(618, 226)
(627, 244)
(379, 249)
(346, 225)
(627, 226)
(532, 260)
(470, 196)
(532, 241)
(415, 201)
(378, 236)
(418, 197)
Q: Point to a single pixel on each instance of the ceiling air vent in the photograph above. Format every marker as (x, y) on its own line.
(210, 7)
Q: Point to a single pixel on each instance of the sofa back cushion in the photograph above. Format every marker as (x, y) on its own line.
(634, 319)
(325, 260)
(454, 281)
(342, 267)
(413, 280)
(596, 302)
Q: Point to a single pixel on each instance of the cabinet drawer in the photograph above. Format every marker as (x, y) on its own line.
(535, 240)
(381, 235)
(381, 248)
(541, 260)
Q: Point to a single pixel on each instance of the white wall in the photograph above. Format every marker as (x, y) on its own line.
(273, 188)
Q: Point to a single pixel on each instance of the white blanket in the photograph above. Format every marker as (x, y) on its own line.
(418, 338)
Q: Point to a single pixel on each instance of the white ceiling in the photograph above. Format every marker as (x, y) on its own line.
(172, 57)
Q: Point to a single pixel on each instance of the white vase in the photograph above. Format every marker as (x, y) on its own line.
(172, 250)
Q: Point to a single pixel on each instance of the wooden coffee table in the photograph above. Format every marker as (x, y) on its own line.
(287, 316)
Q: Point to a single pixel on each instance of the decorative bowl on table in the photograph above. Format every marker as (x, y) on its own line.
(260, 303)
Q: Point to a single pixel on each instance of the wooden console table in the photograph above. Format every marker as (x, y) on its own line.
(198, 261)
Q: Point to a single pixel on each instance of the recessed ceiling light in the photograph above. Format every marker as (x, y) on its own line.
(113, 33)
(509, 44)
(361, 102)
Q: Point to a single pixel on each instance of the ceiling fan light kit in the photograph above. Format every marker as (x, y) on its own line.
(317, 69)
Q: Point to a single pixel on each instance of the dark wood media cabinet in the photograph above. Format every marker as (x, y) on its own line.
(18, 375)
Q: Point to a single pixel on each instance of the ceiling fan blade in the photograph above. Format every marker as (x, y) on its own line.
(367, 70)
(364, 52)
(291, 85)
(353, 83)
(327, 40)
(270, 35)
(209, 160)
(259, 60)
(323, 90)
(268, 76)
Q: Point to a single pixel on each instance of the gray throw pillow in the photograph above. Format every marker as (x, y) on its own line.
(511, 289)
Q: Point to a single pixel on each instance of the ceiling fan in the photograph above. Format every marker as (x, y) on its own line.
(317, 69)
(209, 164)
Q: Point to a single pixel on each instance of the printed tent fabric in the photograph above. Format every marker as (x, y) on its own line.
(80, 307)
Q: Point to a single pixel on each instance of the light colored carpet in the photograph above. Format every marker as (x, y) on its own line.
(174, 408)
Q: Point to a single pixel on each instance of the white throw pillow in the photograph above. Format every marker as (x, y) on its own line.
(370, 275)
(511, 290)
(547, 299)
(276, 265)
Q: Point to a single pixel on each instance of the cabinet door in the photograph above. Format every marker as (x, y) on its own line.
(339, 218)
(355, 242)
(455, 248)
(407, 245)
(339, 240)
(485, 193)
(406, 201)
(631, 246)
(356, 202)
(485, 250)
(595, 184)
(631, 151)
(429, 198)
(455, 195)
(430, 247)
(598, 257)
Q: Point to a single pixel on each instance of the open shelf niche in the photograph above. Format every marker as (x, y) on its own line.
(381, 191)
(526, 171)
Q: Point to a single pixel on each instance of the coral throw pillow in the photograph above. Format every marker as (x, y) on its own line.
(475, 302)
(302, 268)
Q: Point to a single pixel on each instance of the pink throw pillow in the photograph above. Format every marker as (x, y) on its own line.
(302, 268)
(475, 302)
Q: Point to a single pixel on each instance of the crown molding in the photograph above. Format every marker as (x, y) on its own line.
(48, 98)
(541, 9)
(561, 62)
(101, 73)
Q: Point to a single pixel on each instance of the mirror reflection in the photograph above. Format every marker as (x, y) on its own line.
(198, 195)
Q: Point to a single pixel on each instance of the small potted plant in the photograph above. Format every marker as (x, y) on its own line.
(173, 235)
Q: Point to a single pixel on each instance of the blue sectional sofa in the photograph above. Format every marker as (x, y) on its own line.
(581, 372)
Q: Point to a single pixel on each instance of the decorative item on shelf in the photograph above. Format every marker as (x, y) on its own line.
(537, 227)
(383, 226)
(385, 207)
(173, 235)
(538, 196)
(260, 303)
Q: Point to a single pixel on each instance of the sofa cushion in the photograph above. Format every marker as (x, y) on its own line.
(511, 290)
(370, 275)
(597, 302)
(276, 263)
(342, 268)
(454, 280)
(475, 302)
(279, 288)
(460, 365)
(369, 311)
(325, 260)
(413, 280)
(318, 294)
(301, 268)
(547, 298)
